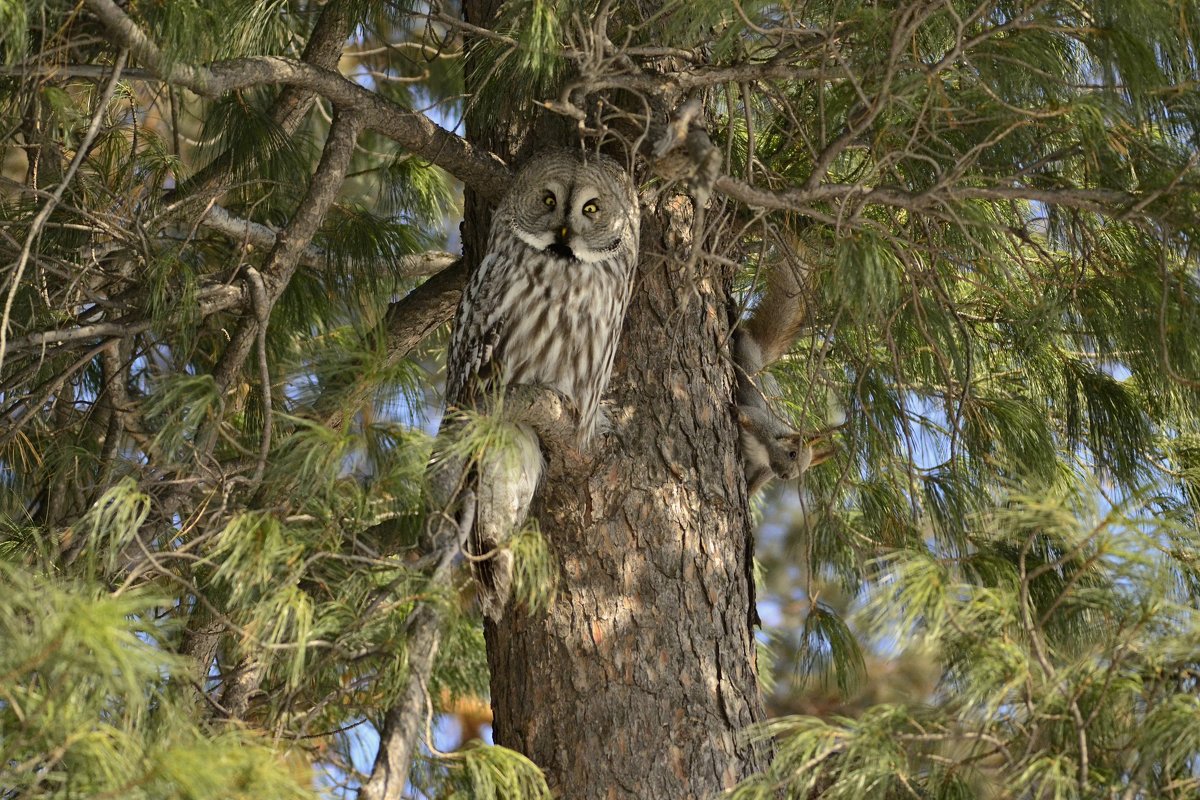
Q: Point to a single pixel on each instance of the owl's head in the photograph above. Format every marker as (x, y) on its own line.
(578, 207)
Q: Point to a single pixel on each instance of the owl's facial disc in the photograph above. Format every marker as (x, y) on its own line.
(538, 240)
(587, 253)
(575, 221)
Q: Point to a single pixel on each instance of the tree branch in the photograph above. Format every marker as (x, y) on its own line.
(556, 422)
(292, 241)
(323, 50)
(243, 230)
(400, 732)
(409, 321)
(552, 416)
(476, 167)
(211, 300)
(266, 287)
(423, 310)
(1105, 201)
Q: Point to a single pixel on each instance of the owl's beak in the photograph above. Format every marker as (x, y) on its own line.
(560, 247)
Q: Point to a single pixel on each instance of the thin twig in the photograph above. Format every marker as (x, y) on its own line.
(262, 311)
(48, 208)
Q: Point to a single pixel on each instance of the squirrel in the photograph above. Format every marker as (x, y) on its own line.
(771, 448)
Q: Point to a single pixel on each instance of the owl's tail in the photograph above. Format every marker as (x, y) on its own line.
(505, 480)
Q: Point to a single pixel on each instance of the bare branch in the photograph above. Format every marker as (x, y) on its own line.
(1105, 201)
(426, 308)
(262, 311)
(400, 732)
(211, 300)
(292, 241)
(324, 50)
(244, 230)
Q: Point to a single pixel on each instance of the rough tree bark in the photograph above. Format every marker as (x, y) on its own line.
(638, 678)
(637, 681)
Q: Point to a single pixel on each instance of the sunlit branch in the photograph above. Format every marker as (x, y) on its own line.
(476, 167)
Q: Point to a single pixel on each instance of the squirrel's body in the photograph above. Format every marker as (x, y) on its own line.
(771, 448)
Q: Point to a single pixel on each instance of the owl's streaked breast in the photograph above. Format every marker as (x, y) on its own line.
(560, 324)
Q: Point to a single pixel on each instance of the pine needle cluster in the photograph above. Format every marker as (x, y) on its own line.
(218, 378)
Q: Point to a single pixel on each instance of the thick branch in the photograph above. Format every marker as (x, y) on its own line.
(323, 50)
(248, 231)
(1099, 200)
(415, 132)
(423, 310)
(400, 733)
(551, 415)
(292, 241)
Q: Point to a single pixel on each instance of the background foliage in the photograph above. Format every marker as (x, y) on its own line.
(213, 446)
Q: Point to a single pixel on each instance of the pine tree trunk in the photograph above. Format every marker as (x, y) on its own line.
(636, 681)
(639, 678)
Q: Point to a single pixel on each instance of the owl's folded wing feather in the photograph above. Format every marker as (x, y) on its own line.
(501, 484)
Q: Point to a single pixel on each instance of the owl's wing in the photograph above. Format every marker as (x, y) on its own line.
(473, 359)
(501, 488)
(469, 359)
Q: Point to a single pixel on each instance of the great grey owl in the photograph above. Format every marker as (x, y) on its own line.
(545, 307)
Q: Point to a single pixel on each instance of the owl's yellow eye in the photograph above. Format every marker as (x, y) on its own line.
(549, 200)
(591, 207)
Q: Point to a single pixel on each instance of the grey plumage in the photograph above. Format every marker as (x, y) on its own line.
(545, 307)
